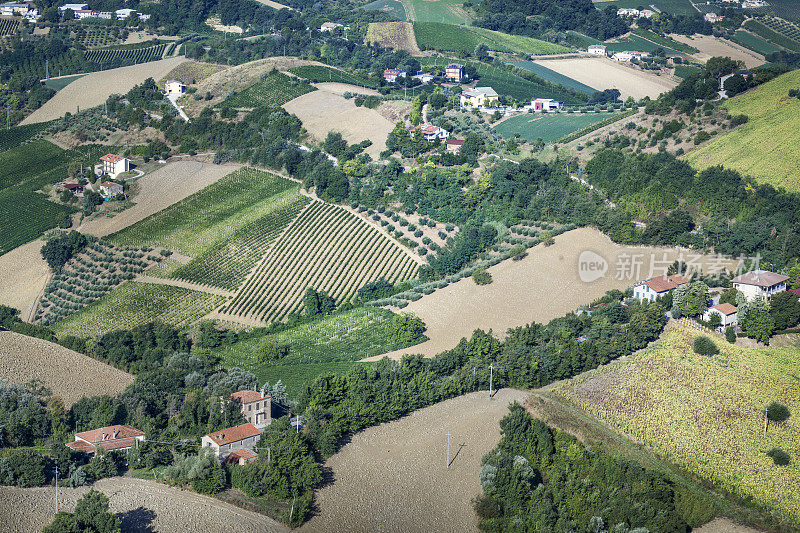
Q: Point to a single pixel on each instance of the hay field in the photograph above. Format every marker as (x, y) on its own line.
(395, 35)
(705, 414)
(765, 147)
(23, 275)
(341, 88)
(601, 74)
(142, 505)
(393, 476)
(158, 190)
(543, 286)
(69, 375)
(95, 88)
(323, 111)
(715, 47)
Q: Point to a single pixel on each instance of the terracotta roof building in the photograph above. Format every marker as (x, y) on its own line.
(228, 440)
(726, 311)
(652, 288)
(240, 457)
(760, 283)
(119, 437)
(256, 407)
(114, 165)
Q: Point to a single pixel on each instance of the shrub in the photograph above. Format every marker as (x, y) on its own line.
(481, 277)
(518, 253)
(730, 335)
(705, 346)
(777, 412)
(779, 457)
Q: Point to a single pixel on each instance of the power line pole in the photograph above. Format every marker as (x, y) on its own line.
(447, 464)
(491, 375)
(47, 69)
(56, 489)
(765, 422)
(8, 117)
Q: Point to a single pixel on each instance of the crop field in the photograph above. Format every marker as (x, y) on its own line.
(203, 220)
(228, 263)
(754, 42)
(394, 35)
(636, 43)
(326, 248)
(674, 7)
(393, 476)
(705, 414)
(549, 126)
(320, 73)
(555, 77)
(759, 147)
(142, 505)
(445, 11)
(59, 83)
(134, 303)
(69, 375)
(684, 71)
(788, 9)
(125, 56)
(464, 39)
(95, 88)
(665, 42)
(329, 344)
(19, 135)
(775, 31)
(710, 46)
(274, 90)
(8, 26)
(392, 7)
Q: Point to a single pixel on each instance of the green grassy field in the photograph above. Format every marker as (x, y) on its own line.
(705, 414)
(754, 43)
(463, 39)
(134, 303)
(274, 90)
(214, 215)
(771, 35)
(59, 83)
(555, 77)
(761, 147)
(684, 71)
(637, 44)
(392, 7)
(665, 41)
(316, 73)
(445, 11)
(581, 40)
(674, 7)
(330, 344)
(550, 126)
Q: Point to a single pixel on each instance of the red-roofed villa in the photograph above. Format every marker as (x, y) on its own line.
(119, 437)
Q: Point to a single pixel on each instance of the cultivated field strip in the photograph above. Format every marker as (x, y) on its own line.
(326, 248)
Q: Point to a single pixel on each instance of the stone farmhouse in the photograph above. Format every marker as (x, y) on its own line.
(236, 439)
(760, 283)
(118, 437)
(653, 288)
(256, 407)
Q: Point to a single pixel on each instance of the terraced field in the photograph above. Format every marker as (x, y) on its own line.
(274, 90)
(464, 39)
(318, 73)
(326, 248)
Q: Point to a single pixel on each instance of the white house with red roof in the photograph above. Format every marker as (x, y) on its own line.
(256, 407)
(726, 311)
(118, 437)
(431, 133)
(114, 165)
(229, 440)
(109, 189)
(653, 288)
(760, 283)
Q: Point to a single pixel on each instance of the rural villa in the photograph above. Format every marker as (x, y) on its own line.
(478, 97)
(174, 87)
(119, 437)
(235, 439)
(760, 283)
(597, 50)
(391, 74)
(432, 133)
(726, 312)
(454, 72)
(113, 165)
(653, 288)
(256, 407)
(454, 145)
(546, 104)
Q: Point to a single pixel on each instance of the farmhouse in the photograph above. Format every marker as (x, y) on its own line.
(478, 97)
(546, 104)
(109, 189)
(174, 87)
(240, 457)
(330, 26)
(628, 55)
(74, 7)
(14, 8)
(119, 437)
(114, 165)
(75, 188)
(653, 288)
(713, 17)
(597, 50)
(760, 283)
(454, 145)
(627, 12)
(726, 311)
(256, 407)
(423, 77)
(124, 13)
(431, 133)
(228, 440)
(391, 74)
(454, 72)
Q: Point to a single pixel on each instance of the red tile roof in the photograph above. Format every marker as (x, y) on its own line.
(454, 142)
(112, 158)
(108, 438)
(234, 457)
(248, 396)
(726, 308)
(82, 446)
(430, 129)
(760, 278)
(234, 434)
(108, 184)
(666, 283)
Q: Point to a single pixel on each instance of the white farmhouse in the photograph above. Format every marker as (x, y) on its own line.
(228, 440)
(479, 97)
(653, 288)
(760, 283)
(431, 133)
(114, 165)
(124, 13)
(726, 312)
(109, 189)
(74, 7)
(546, 104)
(174, 87)
(597, 50)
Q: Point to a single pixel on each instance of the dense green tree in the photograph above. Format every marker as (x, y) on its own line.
(784, 308)
(92, 515)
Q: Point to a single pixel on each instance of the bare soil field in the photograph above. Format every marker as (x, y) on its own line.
(393, 476)
(95, 88)
(395, 35)
(142, 505)
(23, 275)
(323, 111)
(543, 286)
(274, 5)
(724, 525)
(714, 47)
(159, 190)
(601, 74)
(69, 375)
(340, 88)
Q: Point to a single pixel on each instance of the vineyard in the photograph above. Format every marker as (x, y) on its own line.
(213, 215)
(705, 414)
(326, 248)
(134, 303)
(329, 344)
(275, 89)
(117, 57)
(317, 73)
(754, 42)
(464, 39)
(8, 26)
(776, 31)
(227, 264)
(18, 135)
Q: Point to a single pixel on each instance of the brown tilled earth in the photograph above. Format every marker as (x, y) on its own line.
(23, 276)
(393, 476)
(715, 47)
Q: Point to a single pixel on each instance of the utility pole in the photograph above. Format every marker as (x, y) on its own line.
(447, 464)
(56, 489)
(47, 69)
(491, 375)
(269, 455)
(8, 117)
(765, 422)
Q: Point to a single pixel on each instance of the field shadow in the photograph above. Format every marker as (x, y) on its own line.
(453, 460)
(139, 520)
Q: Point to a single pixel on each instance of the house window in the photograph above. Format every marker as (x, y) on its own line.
(249, 407)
